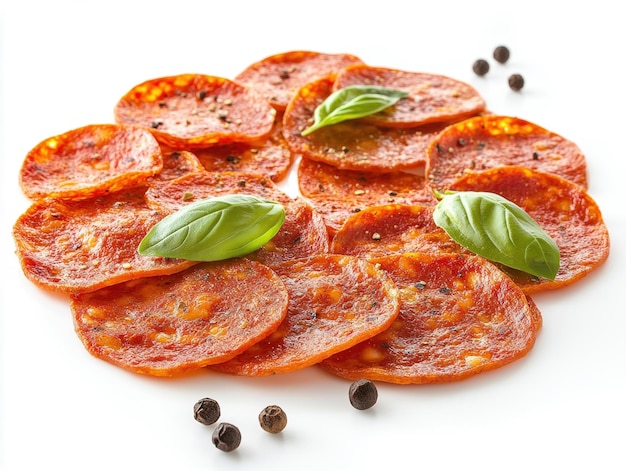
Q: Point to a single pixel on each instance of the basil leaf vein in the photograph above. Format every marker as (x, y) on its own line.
(497, 229)
(215, 228)
(355, 101)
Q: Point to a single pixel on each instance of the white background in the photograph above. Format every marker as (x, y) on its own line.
(64, 64)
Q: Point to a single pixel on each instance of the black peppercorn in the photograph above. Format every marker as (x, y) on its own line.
(206, 411)
(273, 419)
(226, 437)
(501, 54)
(480, 67)
(363, 394)
(516, 82)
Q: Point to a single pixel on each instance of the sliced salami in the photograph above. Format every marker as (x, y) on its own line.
(334, 302)
(354, 144)
(391, 229)
(338, 194)
(170, 325)
(75, 246)
(90, 161)
(565, 211)
(459, 316)
(491, 141)
(432, 98)
(194, 110)
(278, 77)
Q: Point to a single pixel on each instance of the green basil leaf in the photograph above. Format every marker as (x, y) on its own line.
(215, 229)
(355, 101)
(498, 230)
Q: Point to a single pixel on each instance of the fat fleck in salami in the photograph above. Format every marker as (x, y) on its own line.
(75, 246)
(90, 161)
(486, 142)
(338, 194)
(169, 325)
(459, 316)
(564, 210)
(278, 77)
(334, 302)
(390, 229)
(193, 110)
(354, 144)
(432, 98)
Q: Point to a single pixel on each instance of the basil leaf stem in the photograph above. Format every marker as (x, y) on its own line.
(497, 229)
(215, 229)
(352, 102)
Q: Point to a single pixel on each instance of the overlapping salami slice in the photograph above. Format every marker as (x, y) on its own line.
(459, 316)
(278, 77)
(335, 302)
(177, 163)
(90, 161)
(270, 157)
(338, 194)
(390, 229)
(75, 246)
(486, 142)
(302, 234)
(354, 144)
(565, 211)
(432, 98)
(194, 110)
(169, 325)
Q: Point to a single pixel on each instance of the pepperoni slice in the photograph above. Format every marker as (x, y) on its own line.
(270, 157)
(338, 194)
(169, 325)
(432, 98)
(391, 229)
(334, 302)
(90, 161)
(75, 246)
(491, 141)
(278, 77)
(459, 316)
(354, 144)
(193, 110)
(303, 233)
(175, 194)
(177, 163)
(565, 211)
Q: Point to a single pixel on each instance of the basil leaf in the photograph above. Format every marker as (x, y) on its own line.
(355, 101)
(215, 229)
(498, 230)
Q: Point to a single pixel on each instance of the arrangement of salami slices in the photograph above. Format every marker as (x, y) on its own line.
(359, 279)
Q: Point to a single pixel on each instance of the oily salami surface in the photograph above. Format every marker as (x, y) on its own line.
(302, 234)
(338, 194)
(169, 325)
(459, 316)
(563, 209)
(270, 157)
(75, 246)
(391, 229)
(90, 161)
(432, 98)
(177, 163)
(354, 144)
(491, 141)
(194, 110)
(334, 302)
(278, 77)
